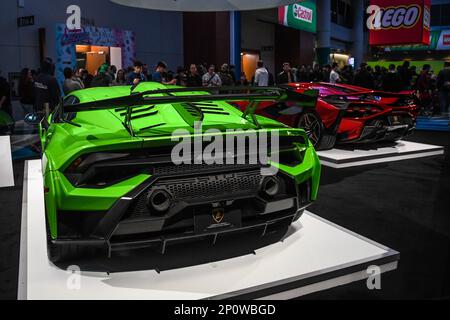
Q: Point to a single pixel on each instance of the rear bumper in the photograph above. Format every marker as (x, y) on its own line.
(378, 130)
(130, 225)
(373, 134)
(162, 242)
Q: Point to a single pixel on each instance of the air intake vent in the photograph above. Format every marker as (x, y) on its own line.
(193, 110)
(229, 185)
(210, 108)
(139, 112)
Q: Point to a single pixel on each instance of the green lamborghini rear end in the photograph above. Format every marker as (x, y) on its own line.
(111, 181)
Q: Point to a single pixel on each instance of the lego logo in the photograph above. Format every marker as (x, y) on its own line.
(393, 17)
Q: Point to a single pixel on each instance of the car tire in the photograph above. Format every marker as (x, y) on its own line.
(328, 142)
(310, 122)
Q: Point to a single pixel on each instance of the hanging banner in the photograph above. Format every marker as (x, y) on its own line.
(301, 16)
(399, 22)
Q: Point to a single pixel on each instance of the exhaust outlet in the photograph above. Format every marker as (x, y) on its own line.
(159, 201)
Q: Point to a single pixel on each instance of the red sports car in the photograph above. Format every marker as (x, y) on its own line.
(347, 114)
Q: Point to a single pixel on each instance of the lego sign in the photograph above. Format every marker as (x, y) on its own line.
(399, 22)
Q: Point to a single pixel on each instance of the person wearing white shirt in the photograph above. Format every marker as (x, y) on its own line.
(261, 75)
(211, 78)
(334, 75)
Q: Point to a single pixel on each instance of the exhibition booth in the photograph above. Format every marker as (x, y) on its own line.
(308, 256)
(91, 46)
(164, 190)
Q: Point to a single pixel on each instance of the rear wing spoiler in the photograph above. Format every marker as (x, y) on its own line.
(205, 94)
(307, 99)
(373, 93)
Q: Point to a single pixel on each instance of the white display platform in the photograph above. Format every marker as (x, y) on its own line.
(315, 255)
(6, 167)
(360, 156)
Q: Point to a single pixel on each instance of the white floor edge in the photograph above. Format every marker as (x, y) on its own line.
(22, 279)
(328, 284)
(6, 166)
(404, 150)
(381, 160)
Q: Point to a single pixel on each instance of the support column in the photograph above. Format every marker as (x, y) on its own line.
(358, 32)
(235, 42)
(323, 31)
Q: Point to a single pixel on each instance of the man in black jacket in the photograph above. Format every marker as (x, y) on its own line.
(405, 75)
(286, 76)
(391, 81)
(46, 88)
(5, 96)
(443, 85)
(363, 78)
(193, 77)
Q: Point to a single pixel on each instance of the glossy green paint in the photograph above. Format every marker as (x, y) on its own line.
(103, 130)
(310, 168)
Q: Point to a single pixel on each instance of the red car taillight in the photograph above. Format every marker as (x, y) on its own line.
(407, 101)
(362, 110)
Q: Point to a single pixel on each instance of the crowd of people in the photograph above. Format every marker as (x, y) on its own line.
(433, 90)
(39, 87)
(194, 76)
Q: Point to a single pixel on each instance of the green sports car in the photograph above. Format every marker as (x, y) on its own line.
(111, 182)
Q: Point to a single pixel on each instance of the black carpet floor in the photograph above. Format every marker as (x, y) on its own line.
(10, 220)
(404, 205)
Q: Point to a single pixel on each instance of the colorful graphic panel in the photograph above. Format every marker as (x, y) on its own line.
(66, 41)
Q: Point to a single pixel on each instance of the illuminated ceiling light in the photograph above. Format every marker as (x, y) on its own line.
(205, 5)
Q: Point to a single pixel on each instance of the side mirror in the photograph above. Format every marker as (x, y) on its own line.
(33, 119)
